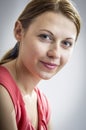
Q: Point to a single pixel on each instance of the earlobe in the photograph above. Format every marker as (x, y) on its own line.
(18, 31)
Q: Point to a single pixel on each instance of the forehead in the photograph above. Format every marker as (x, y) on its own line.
(54, 22)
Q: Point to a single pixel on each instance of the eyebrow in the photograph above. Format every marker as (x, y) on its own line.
(47, 31)
(70, 38)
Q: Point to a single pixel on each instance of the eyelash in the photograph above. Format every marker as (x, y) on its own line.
(66, 44)
(46, 37)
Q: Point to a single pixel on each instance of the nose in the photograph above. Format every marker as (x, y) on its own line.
(54, 52)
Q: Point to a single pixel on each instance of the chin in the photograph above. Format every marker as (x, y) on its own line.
(46, 76)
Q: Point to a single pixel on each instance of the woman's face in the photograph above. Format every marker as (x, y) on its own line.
(47, 44)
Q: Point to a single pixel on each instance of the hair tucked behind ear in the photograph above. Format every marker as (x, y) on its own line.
(35, 8)
(10, 55)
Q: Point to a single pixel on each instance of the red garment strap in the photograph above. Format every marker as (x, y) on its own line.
(8, 83)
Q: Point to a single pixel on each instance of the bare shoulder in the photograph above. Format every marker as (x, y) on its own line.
(5, 99)
(7, 112)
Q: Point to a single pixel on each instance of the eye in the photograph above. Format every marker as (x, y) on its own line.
(45, 37)
(66, 44)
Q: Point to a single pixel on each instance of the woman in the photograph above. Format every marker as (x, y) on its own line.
(46, 32)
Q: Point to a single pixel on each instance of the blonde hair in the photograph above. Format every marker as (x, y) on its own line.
(35, 8)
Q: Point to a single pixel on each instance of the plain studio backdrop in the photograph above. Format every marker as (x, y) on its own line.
(66, 91)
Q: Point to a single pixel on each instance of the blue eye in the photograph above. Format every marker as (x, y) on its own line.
(66, 44)
(45, 37)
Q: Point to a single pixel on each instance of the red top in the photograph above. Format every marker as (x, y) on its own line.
(23, 123)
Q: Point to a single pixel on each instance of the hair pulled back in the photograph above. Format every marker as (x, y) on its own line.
(35, 8)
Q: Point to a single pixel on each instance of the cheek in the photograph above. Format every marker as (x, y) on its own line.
(66, 57)
(32, 51)
(63, 60)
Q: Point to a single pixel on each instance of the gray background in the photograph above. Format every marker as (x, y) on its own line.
(67, 90)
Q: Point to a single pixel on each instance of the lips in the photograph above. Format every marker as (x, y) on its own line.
(49, 65)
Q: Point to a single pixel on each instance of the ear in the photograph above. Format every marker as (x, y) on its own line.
(18, 31)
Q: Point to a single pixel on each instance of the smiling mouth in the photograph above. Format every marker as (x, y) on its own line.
(49, 66)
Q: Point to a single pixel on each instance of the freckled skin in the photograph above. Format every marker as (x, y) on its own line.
(49, 48)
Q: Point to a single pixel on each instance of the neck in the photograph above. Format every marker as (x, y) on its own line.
(25, 80)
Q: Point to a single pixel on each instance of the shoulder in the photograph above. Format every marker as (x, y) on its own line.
(9, 89)
(4, 74)
(7, 110)
(7, 99)
(8, 83)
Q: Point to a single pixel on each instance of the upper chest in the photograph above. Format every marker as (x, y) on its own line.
(31, 109)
